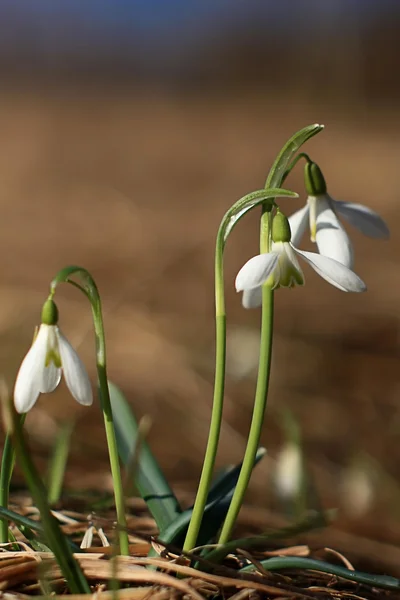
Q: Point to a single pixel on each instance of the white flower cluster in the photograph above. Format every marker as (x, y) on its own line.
(334, 260)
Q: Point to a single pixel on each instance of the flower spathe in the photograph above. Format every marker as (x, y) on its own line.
(40, 372)
(280, 268)
(321, 212)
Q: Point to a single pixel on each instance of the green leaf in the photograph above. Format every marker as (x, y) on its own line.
(288, 152)
(149, 479)
(33, 540)
(218, 501)
(58, 462)
(28, 524)
(289, 562)
(248, 202)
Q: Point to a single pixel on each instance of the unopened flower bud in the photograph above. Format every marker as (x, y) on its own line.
(50, 312)
(314, 180)
(280, 228)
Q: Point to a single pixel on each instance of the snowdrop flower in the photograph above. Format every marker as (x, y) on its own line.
(321, 211)
(280, 268)
(289, 471)
(49, 356)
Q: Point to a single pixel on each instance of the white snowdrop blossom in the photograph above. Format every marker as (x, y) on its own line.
(289, 471)
(40, 372)
(280, 268)
(321, 215)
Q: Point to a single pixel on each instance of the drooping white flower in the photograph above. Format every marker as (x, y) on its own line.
(320, 213)
(280, 268)
(49, 356)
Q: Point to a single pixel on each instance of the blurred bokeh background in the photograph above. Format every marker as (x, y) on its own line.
(127, 130)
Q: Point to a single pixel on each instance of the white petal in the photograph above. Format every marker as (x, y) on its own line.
(30, 374)
(252, 298)
(288, 273)
(75, 373)
(255, 272)
(298, 224)
(50, 378)
(51, 374)
(363, 218)
(332, 240)
(333, 272)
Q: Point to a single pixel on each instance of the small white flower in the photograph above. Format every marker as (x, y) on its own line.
(289, 471)
(280, 268)
(40, 371)
(326, 230)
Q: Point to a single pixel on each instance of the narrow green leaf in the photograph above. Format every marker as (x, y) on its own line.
(25, 524)
(55, 538)
(247, 203)
(218, 500)
(33, 540)
(289, 562)
(288, 152)
(59, 461)
(149, 479)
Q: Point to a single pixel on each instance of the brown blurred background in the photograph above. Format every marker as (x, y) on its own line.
(127, 131)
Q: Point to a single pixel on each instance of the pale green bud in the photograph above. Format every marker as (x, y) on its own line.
(49, 312)
(314, 180)
(281, 228)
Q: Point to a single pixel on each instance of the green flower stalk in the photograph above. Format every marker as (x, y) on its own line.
(90, 290)
(264, 370)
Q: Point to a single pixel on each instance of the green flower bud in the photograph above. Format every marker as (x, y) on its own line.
(314, 180)
(281, 228)
(49, 312)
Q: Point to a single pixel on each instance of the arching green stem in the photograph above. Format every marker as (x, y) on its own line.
(264, 369)
(90, 290)
(294, 163)
(218, 400)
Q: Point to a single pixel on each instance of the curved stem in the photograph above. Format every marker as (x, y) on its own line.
(264, 370)
(91, 291)
(109, 425)
(218, 400)
(294, 163)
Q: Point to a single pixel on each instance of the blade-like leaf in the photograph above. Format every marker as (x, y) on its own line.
(288, 152)
(58, 462)
(218, 501)
(248, 202)
(149, 479)
(295, 562)
(29, 524)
